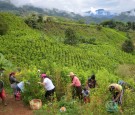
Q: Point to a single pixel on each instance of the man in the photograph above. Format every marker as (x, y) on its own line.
(77, 91)
(117, 92)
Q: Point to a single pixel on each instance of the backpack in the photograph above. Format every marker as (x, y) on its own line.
(121, 82)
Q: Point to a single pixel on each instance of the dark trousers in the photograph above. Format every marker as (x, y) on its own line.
(77, 91)
(49, 93)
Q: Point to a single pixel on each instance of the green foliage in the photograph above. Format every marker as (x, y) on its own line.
(33, 50)
(70, 36)
(35, 21)
(128, 46)
(81, 21)
(4, 63)
(3, 26)
(109, 23)
(115, 24)
(99, 27)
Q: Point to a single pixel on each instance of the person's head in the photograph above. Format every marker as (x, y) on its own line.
(43, 75)
(93, 77)
(111, 88)
(12, 74)
(71, 74)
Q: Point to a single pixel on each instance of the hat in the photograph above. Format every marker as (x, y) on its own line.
(43, 75)
(71, 74)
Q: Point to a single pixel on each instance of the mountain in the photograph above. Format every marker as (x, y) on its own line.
(126, 16)
(100, 13)
(129, 13)
(96, 16)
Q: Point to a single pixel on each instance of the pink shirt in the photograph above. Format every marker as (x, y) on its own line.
(76, 82)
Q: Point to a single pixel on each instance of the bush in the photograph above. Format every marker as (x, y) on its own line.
(3, 27)
(70, 36)
(128, 46)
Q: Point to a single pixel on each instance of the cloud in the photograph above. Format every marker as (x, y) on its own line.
(80, 5)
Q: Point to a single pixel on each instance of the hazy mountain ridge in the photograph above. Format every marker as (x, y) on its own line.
(100, 13)
(98, 16)
(129, 13)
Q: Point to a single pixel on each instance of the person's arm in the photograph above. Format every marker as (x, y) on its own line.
(73, 83)
(117, 96)
(13, 79)
(41, 83)
(120, 91)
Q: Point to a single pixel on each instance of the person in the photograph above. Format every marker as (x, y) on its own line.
(86, 96)
(2, 93)
(48, 85)
(91, 83)
(13, 82)
(117, 92)
(76, 84)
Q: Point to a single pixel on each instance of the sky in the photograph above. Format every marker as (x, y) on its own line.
(80, 6)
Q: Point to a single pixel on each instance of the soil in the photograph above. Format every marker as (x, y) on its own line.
(14, 107)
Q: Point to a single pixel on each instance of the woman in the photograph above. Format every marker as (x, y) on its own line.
(13, 82)
(77, 91)
(48, 85)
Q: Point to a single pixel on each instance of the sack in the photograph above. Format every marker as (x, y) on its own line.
(111, 106)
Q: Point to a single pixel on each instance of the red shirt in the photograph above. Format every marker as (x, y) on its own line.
(76, 82)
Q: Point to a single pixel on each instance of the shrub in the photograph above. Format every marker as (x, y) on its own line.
(128, 46)
(3, 27)
(70, 36)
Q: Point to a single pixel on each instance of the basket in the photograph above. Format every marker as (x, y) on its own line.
(111, 106)
(35, 104)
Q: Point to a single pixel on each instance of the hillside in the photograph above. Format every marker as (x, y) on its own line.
(23, 38)
(32, 49)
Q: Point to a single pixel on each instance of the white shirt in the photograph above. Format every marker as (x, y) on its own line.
(48, 84)
(21, 85)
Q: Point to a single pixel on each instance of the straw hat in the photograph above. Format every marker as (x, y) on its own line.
(71, 74)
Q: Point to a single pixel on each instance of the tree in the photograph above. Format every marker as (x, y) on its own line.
(40, 18)
(128, 46)
(70, 36)
(109, 23)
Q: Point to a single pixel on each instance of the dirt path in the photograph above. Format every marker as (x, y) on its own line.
(14, 107)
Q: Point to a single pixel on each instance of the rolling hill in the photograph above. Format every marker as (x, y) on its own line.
(31, 49)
